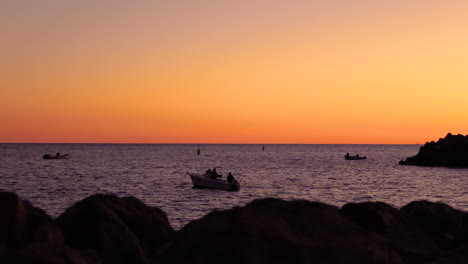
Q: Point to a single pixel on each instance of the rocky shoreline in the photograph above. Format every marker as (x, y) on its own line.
(110, 229)
(451, 151)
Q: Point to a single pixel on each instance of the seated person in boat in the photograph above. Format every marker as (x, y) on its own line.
(212, 174)
(215, 174)
(230, 178)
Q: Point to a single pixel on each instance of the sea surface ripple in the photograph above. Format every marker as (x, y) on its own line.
(156, 174)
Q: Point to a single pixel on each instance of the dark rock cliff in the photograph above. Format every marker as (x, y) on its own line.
(451, 151)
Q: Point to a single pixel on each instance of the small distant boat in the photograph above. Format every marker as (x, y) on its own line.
(356, 157)
(58, 156)
(203, 181)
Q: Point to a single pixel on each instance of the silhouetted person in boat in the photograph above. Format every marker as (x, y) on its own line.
(230, 178)
(357, 155)
(58, 154)
(215, 174)
(347, 154)
(212, 174)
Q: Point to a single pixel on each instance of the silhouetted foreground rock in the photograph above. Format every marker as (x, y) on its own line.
(422, 231)
(277, 231)
(451, 151)
(28, 235)
(121, 230)
(109, 229)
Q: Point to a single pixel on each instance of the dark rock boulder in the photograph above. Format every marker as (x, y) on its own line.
(22, 224)
(28, 235)
(451, 151)
(373, 216)
(108, 229)
(459, 259)
(422, 231)
(440, 223)
(42, 253)
(121, 230)
(277, 231)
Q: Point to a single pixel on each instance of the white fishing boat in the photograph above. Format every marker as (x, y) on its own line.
(203, 181)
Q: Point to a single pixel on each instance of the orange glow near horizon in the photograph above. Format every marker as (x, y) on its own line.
(308, 72)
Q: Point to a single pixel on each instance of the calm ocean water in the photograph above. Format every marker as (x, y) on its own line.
(156, 174)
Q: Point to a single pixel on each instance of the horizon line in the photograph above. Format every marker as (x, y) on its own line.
(140, 143)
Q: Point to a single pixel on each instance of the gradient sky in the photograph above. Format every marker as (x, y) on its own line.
(241, 71)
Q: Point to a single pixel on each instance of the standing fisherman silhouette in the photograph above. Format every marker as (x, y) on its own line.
(198, 150)
(230, 178)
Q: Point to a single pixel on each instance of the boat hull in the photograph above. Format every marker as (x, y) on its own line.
(201, 181)
(47, 156)
(355, 158)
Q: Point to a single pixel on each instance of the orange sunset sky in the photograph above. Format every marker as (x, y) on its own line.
(245, 71)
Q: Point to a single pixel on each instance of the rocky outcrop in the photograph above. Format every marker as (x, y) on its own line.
(439, 223)
(120, 230)
(277, 231)
(422, 231)
(109, 229)
(28, 235)
(451, 151)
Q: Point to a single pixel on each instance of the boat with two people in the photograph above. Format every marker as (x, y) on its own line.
(56, 156)
(212, 180)
(355, 157)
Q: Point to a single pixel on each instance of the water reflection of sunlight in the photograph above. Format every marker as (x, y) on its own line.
(156, 174)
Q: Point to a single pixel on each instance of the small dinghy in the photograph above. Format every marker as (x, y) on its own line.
(356, 157)
(57, 156)
(203, 181)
